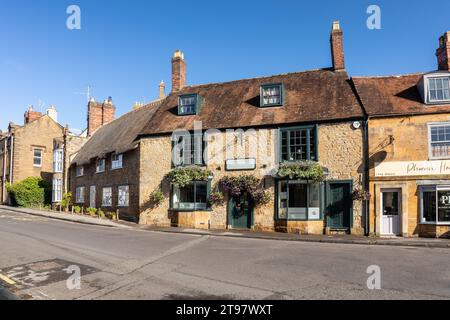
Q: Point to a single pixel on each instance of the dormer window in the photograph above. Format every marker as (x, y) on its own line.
(439, 89)
(272, 95)
(188, 104)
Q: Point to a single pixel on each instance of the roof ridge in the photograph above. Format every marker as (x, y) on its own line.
(260, 77)
(390, 76)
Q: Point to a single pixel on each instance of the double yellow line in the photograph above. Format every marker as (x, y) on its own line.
(7, 280)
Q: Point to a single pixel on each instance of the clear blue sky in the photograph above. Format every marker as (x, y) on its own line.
(124, 47)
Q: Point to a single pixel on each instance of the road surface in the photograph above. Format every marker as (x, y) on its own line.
(42, 256)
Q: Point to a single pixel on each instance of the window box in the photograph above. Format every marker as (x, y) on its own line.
(100, 167)
(272, 95)
(116, 161)
(189, 104)
(299, 143)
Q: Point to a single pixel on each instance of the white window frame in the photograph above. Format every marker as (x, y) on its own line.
(116, 161)
(57, 190)
(79, 171)
(430, 143)
(107, 199)
(436, 101)
(79, 194)
(434, 189)
(58, 158)
(100, 166)
(123, 191)
(40, 158)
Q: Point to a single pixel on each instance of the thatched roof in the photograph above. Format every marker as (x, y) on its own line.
(117, 136)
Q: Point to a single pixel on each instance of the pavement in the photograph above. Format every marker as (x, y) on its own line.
(47, 259)
(342, 239)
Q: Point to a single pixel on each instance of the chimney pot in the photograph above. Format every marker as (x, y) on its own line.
(162, 89)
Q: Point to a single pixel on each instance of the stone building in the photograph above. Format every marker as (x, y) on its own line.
(409, 150)
(248, 127)
(27, 150)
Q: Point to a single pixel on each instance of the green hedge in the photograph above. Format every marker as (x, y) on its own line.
(30, 192)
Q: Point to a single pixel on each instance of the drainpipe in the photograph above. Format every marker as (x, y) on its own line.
(11, 160)
(366, 175)
(4, 169)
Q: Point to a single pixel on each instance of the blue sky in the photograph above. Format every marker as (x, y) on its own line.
(124, 47)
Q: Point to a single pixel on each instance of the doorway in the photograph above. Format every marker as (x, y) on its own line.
(391, 213)
(339, 215)
(240, 211)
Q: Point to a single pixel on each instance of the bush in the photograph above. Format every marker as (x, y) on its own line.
(100, 213)
(77, 209)
(66, 200)
(157, 197)
(91, 211)
(182, 176)
(216, 198)
(30, 192)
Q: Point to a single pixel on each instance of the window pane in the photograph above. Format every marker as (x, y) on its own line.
(200, 195)
(429, 206)
(187, 194)
(271, 95)
(297, 195)
(390, 204)
(314, 195)
(283, 205)
(444, 206)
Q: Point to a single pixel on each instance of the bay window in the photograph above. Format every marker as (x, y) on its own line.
(194, 196)
(57, 190)
(299, 144)
(299, 200)
(435, 204)
(58, 160)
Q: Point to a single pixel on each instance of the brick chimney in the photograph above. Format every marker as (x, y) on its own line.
(162, 89)
(337, 47)
(31, 115)
(178, 71)
(443, 52)
(99, 114)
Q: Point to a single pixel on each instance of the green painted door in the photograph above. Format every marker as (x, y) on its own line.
(241, 211)
(339, 205)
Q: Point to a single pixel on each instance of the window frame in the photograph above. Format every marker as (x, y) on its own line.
(127, 204)
(80, 193)
(428, 93)
(436, 189)
(308, 142)
(58, 160)
(321, 207)
(430, 143)
(267, 86)
(57, 190)
(97, 165)
(117, 164)
(77, 174)
(41, 158)
(196, 105)
(180, 158)
(208, 193)
(110, 204)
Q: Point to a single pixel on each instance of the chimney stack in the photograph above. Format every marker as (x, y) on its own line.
(178, 71)
(443, 52)
(52, 113)
(162, 89)
(31, 115)
(100, 114)
(337, 47)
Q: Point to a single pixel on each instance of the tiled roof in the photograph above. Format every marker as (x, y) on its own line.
(311, 96)
(394, 95)
(117, 136)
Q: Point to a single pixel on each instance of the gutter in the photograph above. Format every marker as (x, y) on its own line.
(4, 169)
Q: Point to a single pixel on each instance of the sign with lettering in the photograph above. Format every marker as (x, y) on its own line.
(241, 164)
(412, 168)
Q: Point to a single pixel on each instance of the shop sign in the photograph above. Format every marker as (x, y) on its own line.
(412, 168)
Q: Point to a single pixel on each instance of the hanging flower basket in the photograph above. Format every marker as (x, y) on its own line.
(360, 195)
(236, 185)
(182, 176)
(301, 170)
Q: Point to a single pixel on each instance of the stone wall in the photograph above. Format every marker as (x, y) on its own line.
(126, 176)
